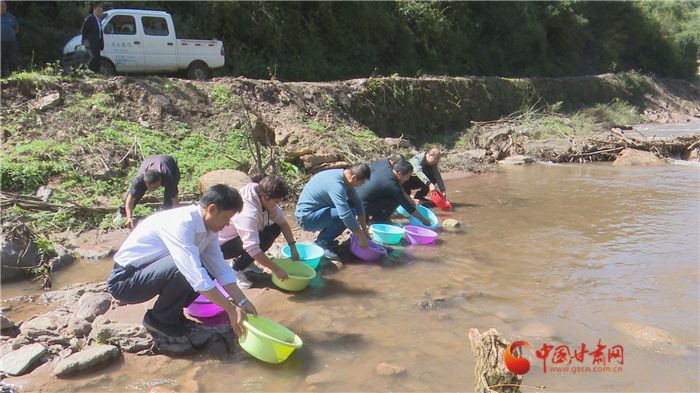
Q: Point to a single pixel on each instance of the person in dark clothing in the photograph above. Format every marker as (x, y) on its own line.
(155, 171)
(426, 175)
(92, 37)
(386, 162)
(382, 194)
(10, 50)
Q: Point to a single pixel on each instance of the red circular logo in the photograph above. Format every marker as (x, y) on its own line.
(516, 365)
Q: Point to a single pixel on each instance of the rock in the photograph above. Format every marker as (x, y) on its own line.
(49, 100)
(475, 153)
(314, 160)
(99, 252)
(263, 133)
(164, 100)
(129, 337)
(18, 362)
(323, 167)
(389, 369)
(191, 386)
(517, 159)
(450, 223)
(397, 142)
(20, 341)
(47, 325)
(630, 157)
(44, 193)
(63, 258)
(91, 305)
(216, 339)
(550, 146)
(6, 323)
(319, 378)
(78, 328)
(88, 360)
(299, 153)
(107, 174)
(230, 177)
(19, 252)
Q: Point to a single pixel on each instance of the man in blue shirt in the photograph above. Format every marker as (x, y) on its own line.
(10, 50)
(329, 203)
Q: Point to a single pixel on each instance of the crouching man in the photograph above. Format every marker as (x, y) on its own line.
(175, 254)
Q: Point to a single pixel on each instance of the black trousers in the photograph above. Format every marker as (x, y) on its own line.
(137, 285)
(234, 247)
(94, 62)
(381, 209)
(9, 55)
(413, 183)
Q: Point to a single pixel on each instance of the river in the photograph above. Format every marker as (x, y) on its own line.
(557, 255)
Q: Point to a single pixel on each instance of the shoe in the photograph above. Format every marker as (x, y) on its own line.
(327, 251)
(242, 280)
(189, 323)
(173, 331)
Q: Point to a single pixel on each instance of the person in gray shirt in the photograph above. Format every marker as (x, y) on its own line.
(426, 175)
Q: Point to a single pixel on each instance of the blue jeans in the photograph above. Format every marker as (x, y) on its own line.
(325, 220)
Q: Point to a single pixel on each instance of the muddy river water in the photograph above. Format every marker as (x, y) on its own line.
(554, 255)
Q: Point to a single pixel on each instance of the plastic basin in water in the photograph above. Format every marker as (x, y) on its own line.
(373, 251)
(310, 254)
(299, 275)
(402, 211)
(440, 201)
(425, 212)
(268, 340)
(420, 235)
(387, 234)
(202, 307)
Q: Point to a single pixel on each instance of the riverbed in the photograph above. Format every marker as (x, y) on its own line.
(554, 255)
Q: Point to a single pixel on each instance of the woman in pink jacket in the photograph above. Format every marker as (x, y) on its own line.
(250, 232)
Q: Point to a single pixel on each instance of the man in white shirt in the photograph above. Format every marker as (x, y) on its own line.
(175, 254)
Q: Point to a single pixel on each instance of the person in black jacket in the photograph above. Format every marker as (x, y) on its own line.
(92, 37)
(382, 193)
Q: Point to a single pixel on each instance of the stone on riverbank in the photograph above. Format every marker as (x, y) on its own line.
(92, 304)
(450, 223)
(19, 362)
(517, 159)
(87, 360)
(6, 323)
(230, 177)
(632, 157)
(128, 337)
(389, 369)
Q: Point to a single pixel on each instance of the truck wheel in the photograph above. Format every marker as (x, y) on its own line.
(198, 71)
(106, 68)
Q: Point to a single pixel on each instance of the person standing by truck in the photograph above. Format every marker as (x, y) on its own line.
(92, 37)
(10, 50)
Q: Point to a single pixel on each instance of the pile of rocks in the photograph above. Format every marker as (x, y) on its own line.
(74, 336)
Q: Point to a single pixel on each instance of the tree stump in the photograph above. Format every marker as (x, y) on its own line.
(492, 376)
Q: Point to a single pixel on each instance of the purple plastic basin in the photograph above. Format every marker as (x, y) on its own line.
(374, 251)
(419, 235)
(202, 307)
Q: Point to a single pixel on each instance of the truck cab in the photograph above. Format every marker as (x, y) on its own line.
(144, 41)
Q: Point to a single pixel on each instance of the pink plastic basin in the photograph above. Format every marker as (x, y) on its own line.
(419, 235)
(374, 251)
(202, 307)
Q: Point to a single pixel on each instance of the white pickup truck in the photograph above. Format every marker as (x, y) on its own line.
(144, 41)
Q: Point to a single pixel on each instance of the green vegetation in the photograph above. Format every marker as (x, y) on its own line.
(314, 41)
